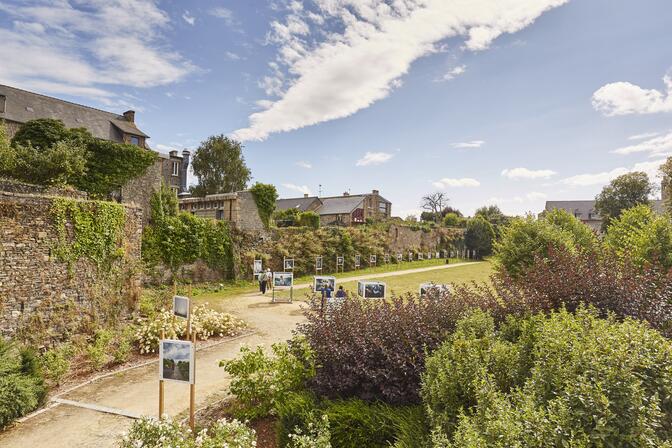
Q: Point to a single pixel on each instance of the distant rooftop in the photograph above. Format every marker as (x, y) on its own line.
(301, 204)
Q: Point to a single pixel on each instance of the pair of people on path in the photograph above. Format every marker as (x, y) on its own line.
(265, 280)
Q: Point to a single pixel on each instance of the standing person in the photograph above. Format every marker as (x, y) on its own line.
(261, 277)
(340, 294)
(268, 277)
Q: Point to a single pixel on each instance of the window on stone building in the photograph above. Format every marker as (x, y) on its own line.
(3, 100)
(135, 140)
(176, 168)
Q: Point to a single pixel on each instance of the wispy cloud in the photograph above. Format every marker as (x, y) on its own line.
(656, 146)
(623, 98)
(321, 76)
(454, 73)
(374, 158)
(72, 48)
(224, 14)
(304, 164)
(643, 136)
(191, 20)
(525, 173)
(303, 189)
(532, 196)
(232, 56)
(456, 183)
(469, 145)
(604, 177)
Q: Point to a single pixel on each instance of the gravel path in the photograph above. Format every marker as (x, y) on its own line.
(135, 391)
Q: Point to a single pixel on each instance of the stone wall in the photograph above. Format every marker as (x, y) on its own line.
(38, 289)
(404, 238)
(12, 128)
(139, 191)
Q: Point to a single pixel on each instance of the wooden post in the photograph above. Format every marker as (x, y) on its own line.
(161, 393)
(192, 392)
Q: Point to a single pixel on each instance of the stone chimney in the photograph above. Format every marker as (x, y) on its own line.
(186, 158)
(305, 195)
(345, 193)
(129, 115)
(375, 192)
(173, 154)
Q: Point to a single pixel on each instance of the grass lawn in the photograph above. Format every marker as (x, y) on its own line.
(231, 289)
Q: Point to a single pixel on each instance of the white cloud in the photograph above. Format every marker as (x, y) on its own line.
(469, 145)
(304, 164)
(535, 196)
(191, 20)
(455, 72)
(643, 136)
(603, 178)
(303, 189)
(232, 56)
(524, 173)
(223, 13)
(656, 146)
(623, 98)
(335, 74)
(77, 49)
(456, 183)
(374, 158)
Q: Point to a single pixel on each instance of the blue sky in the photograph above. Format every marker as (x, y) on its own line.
(510, 102)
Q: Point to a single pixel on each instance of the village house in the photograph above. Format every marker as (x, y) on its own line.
(346, 210)
(237, 208)
(19, 106)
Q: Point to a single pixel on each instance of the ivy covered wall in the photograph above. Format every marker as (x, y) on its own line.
(65, 263)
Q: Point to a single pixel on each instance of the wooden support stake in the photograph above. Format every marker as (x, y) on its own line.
(161, 393)
(192, 392)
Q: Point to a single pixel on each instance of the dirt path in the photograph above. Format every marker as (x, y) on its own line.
(136, 391)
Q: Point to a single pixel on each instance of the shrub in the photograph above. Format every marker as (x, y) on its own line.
(641, 236)
(412, 429)
(375, 350)
(151, 433)
(355, 423)
(316, 434)
(294, 412)
(227, 433)
(21, 386)
(62, 164)
(97, 350)
(260, 381)
(265, 196)
(149, 331)
(526, 238)
(579, 381)
(206, 322)
(479, 236)
(55, 363)
(597, 278)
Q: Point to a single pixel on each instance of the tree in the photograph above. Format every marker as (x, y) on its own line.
(309, 219)
(112, 165)
(666, 184)
(41, 134)
(220, 166)
(479, 236)
(524, 239)
(453, 220)
(434, 203)
(494, 216)
(641, 236)
(622, 193)
(163, 203)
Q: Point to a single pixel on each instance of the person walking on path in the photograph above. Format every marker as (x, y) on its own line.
(265, 280)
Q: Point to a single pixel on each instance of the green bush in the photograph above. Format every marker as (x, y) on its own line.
(355, 423)
(559, 380)
(526, 238)
(479, 236)
(151, 433)
(309, 219)
(227, 434)
(265, 196)
(641, 236)
(260, 381)
(412, 430)
(294, 411)
(316, 434)
(21, 386)
(55, 363)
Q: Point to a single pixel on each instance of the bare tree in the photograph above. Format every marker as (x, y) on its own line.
(434, 203)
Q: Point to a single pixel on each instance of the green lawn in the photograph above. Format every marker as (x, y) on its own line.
(214, 293)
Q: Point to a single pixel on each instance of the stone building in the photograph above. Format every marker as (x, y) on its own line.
(238, 208)
(585, 211)
(19, 106)
(346, 210)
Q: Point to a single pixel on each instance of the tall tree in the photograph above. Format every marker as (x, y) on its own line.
(434, 203)
(622, 193)
(479, 236)
(494, 216)
(220, 166)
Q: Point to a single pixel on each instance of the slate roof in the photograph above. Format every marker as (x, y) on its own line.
(22, 106)
(340, 205)
(581, 209)
(301, 204)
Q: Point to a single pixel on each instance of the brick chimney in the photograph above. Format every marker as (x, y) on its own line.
(305, 195)
(129, 115)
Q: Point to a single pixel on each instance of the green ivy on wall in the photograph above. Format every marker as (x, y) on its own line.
(95, 231)
(265, 196)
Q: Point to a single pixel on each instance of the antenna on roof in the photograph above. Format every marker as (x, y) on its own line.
(319, 190)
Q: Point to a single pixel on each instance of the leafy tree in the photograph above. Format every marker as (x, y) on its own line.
(666, 171)
(286, 218)
(265, 197)
(309, 219)
(63, 163)
(428, 216)
(526, 238)
(163, 203)
(642, 236)
(581, 233)
(220, 166)
(494, 216)
(622, 193)
(450, 209)
(453, 220)
(111, 165)
(434, 203)
(479, 236)
(41, 134)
